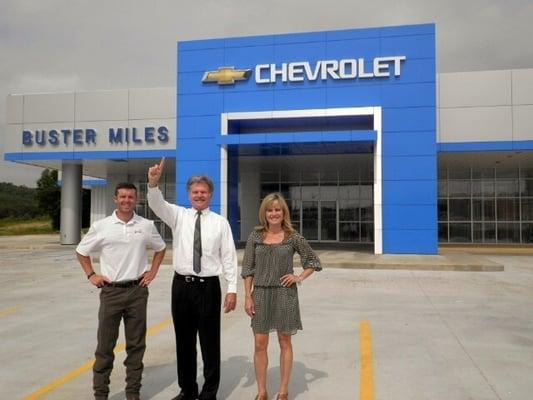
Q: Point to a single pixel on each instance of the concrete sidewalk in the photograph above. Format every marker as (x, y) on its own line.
(449, 258)
(435, 334)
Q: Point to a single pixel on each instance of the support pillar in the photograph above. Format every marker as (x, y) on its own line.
(70, 224)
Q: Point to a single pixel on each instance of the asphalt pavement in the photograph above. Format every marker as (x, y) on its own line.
(454, 326)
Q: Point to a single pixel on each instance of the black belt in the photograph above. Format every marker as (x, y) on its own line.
(124, 284)
(194, 278)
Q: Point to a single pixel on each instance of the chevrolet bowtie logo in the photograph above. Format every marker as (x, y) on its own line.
(226, 75)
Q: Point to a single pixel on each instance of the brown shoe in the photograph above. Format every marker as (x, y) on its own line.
(261, 397)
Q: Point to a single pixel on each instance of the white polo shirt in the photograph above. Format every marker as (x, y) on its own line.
(122, 246)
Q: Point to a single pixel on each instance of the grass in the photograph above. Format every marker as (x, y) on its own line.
(35, 226)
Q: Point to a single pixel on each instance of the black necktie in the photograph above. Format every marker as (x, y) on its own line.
(197, 251)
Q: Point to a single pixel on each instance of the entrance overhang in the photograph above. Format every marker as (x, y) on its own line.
(310, 128)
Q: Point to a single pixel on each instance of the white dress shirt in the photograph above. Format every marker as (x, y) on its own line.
(218, 249)
(122, 246)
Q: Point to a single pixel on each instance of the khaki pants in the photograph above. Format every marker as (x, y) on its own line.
(115, 304)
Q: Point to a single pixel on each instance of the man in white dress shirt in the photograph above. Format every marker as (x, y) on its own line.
(122, 240)
(203, 249)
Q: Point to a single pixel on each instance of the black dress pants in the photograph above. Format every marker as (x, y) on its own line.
(196, 308)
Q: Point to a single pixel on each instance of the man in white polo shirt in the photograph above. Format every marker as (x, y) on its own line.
(122, 240)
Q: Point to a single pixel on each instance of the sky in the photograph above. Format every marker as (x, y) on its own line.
(77, 45)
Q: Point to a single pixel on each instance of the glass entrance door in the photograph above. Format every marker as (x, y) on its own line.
(328, 221)
(319, 220)
(310, 220)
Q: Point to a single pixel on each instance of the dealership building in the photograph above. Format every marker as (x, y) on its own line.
(366, 141)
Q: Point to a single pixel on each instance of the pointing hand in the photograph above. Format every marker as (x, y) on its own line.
(155, 172)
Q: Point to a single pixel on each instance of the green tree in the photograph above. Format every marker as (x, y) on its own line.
(18, 202)
(49, 196)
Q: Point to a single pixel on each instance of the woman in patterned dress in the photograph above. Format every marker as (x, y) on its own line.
(271, 287)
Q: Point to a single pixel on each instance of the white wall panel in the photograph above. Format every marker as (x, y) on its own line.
(523, 86)
(475, 124)
(109, 105)
(57, 107)
(13, 138)
(156, 103)
(523, 122)
(15, 109)
(477, 89)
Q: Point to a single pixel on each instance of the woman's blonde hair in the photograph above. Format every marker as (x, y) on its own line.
(267, 202)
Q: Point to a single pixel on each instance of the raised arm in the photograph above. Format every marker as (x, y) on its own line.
(163, 209)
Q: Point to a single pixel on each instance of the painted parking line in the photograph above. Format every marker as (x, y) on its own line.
(8, 311)
(366, 385)
(89, 364)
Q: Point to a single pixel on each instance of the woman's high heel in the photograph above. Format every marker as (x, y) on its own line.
(282, 396)
(261, 397)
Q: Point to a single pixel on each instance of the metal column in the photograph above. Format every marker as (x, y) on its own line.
(70, 224)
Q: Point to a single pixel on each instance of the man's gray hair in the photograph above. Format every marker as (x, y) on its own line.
(201, 179)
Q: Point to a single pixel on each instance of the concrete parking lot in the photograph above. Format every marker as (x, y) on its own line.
(435, 333)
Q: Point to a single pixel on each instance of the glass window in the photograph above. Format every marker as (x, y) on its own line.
(349, 192)
(170, 190)
(295, 192)
(349, 232)
(489, 232)
(476, 188)
(487, 188)
(443, 209)
(526, 173)
(508, 232)
(443, 232)
(526, 187)
(527, 233)
(527, 209)
(269, 176)
(487, 173)
(367, 211)
(459, 210)
(462, 173)
(443, 188)
(142, 191)
(348, 210)
(507, 187)
(329, 192)
(267, 188)
(289, 175)
(328, 177)
(459, 188)
(310, 192)
(310, 177)
(367, 190)
(506, 172)
(507, 209)
(294, 209)
(477, 210)
(489, 210)
(477, 233)
(141, 209)
(460, 233)
(367, 232)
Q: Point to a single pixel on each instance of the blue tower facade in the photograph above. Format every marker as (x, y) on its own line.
(337, 92)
